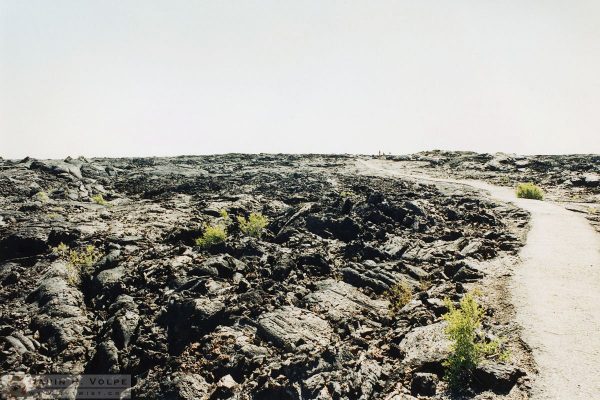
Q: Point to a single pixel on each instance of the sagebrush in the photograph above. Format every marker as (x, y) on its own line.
(212, 235)
(467, 349)
(99, 199)
(399, 295)
(42, 197)
(77, 260)
(253, 225)
(529, 191)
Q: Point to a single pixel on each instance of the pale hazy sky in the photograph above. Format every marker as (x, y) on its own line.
(130, 78)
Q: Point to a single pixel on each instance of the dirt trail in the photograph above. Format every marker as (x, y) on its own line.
(556, 291)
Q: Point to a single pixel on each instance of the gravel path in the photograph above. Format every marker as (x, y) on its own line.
(556, 292)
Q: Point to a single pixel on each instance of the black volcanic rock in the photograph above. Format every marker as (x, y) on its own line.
(301, 312)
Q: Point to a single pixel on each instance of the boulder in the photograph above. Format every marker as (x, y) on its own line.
(109, 281)
(190, 318)
(425, 348)
(60, 318)
(416, 272)
(314, 263)
(345, 229)
(225, 387)
(416, 207)
(224, 266)
(467, 273)
(124, 320)
(343, 303)
(369, 274)
(500, 378)
(395, 246)
(290, 327)
(23, 242)
(68, 167)
(423, 384)
(105, 359)
(471, 249)
(183, 386)
(9, 273)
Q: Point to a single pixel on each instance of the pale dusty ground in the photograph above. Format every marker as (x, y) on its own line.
(555, 291)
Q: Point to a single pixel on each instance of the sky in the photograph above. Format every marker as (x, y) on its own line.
(159, 78)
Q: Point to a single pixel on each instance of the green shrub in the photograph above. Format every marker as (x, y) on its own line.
(77, 260)
(212, 235)
(529, 191)
(467, 349)
(254, 225)
(86, 257)
(98, 199)
(425, 284)
(225, 215)
(62, 250)
(399, 295)
(42, 197)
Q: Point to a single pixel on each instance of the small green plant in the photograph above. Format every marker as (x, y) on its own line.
(529, 191)
(225, 215)
(77, 260)
(62, 250)
(504, 355)
(42, 196)
(212, 235)
(86, 257)
(254, 225)
(424, 284)
(98, 199)
(345, 194)
(399, 295)
(467, 349)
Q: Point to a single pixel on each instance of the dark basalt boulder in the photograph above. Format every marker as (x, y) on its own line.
(378, 277)
(425, 348)
(345, 229)
(224, 266)
(292, 328)
(423, 384)
(314, 263)
(343, 304)
(60, 317)
(500, 378)
(70, 168)
(109, 282)
(184, 386)
(23, 242)
(187, 319)
(467, 273)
